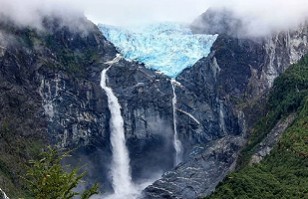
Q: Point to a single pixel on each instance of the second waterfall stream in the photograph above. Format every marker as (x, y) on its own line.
(176, 141)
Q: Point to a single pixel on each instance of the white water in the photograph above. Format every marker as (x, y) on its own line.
(176, 142)
(189, 115)
(120, 168)
(3, 194)
(222, 123)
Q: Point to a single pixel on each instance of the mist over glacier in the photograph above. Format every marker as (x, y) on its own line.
(166, 47)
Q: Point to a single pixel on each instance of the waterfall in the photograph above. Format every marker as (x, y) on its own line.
(222, 123)
(176, 142)
(3, 195)
(120, 168)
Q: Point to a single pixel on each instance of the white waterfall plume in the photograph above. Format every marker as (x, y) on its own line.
(120, 169)
(176, 142)
(189, 115)
(222, 123)
(3, 195)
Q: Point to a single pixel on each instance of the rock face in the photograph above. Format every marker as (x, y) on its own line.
(49, 87)
(219, 21)
(199, 173)
(222, 92)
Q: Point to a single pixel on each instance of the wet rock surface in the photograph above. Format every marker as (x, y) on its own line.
(222, 92)
(49, 85)
(51, 89)
(200, 173)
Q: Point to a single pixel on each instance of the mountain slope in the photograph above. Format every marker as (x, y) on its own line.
(50, 94)
(29, 59)
(225, 92)
(283, 173)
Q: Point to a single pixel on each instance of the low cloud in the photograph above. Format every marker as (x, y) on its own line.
(260, 16)
(113, 12)
(134, 12)
(31, 12)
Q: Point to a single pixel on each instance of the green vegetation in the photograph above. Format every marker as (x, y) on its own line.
(47, 179)
(284, 173)
(70, 57)
(14, 153)
(61, 50)
(287, 96)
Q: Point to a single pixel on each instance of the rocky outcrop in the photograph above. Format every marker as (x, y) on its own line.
(205, 167)
(268, 143)
(219, 21)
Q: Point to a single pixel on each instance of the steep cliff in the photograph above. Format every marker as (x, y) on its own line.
(45, 73)
(228, 90)
(282, 136)
(50, 94)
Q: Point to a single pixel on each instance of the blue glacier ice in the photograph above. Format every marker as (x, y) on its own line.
(166, 47)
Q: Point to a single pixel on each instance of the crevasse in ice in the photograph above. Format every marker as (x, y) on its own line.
(166, 47)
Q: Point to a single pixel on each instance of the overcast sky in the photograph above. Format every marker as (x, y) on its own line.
(128, 12)
(262, 15)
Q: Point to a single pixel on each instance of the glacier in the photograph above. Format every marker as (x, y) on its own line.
(165, 47)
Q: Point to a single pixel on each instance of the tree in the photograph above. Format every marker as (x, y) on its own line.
(47, 179)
